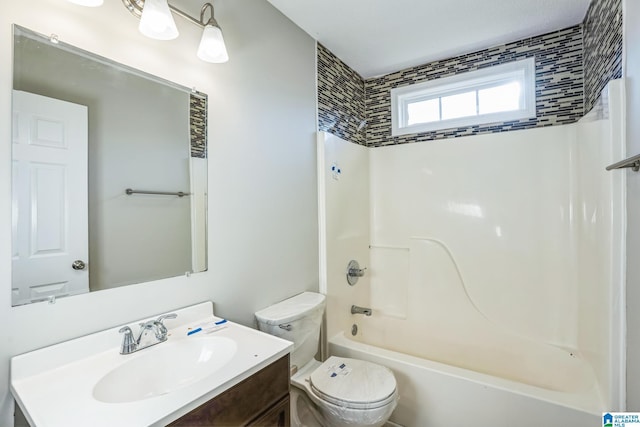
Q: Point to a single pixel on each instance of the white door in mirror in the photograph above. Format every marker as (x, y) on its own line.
(49, 204)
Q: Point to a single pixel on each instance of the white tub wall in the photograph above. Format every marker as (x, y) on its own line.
(500, 204)
(599, 222)
(618, 256)
(344, 226)
(594, 309)
(389, 277)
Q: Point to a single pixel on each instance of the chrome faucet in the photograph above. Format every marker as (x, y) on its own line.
(361, 310)
(151, 332)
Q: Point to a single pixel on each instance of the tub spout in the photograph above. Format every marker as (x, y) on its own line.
(360, 310)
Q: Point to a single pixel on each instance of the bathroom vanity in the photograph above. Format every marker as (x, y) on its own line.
(260, 400)
(232, 375)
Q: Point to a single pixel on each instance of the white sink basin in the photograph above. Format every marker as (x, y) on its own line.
(86, 381)
(164, 368)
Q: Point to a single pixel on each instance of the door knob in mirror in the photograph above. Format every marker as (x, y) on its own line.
(78, 265)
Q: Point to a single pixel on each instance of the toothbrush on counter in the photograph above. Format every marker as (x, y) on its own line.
(209, 327)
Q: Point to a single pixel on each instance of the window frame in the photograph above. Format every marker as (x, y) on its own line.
(522, 71)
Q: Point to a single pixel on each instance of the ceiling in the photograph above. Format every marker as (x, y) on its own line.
(377, 37)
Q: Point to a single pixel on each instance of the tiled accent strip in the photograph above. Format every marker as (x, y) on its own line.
(602, 47)
(341, 108)
(559, 86)
(198, 124)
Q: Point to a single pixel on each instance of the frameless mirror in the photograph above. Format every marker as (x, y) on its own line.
(109, 173)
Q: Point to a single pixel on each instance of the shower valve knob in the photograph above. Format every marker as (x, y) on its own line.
(354, 272)
(357, 272)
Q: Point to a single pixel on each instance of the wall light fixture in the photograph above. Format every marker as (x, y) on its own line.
(156, 22)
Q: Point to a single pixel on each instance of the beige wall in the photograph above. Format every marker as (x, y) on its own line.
(262, 179)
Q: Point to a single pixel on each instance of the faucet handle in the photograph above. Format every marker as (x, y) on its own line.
(357, 272)
(166, 316)
(129, 344)
(161, 333)
(354, 272)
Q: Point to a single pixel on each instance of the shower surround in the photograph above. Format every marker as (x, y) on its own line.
(495, 269)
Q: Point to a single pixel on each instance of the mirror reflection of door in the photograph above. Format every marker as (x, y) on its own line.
(49, 206)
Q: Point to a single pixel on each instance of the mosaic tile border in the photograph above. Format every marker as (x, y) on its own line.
(602, 47)
(573, 66)
(559, 86)
(198, 124)
(341, 107)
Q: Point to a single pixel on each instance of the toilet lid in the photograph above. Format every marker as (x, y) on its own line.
(353, 383)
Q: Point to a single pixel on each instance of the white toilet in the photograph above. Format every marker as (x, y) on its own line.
(340, 392)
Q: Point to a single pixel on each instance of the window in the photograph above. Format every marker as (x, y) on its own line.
(495, 94)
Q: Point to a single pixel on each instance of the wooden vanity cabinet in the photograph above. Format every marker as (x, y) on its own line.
(260, 400)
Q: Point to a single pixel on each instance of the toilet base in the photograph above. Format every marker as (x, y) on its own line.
(307, 410)
(303, 410)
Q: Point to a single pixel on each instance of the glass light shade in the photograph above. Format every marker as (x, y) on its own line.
(157, 22)
(90, 3)
(212, 48)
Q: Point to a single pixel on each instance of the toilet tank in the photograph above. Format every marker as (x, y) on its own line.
(297, 319)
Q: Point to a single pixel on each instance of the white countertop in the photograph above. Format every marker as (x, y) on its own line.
(54, 385)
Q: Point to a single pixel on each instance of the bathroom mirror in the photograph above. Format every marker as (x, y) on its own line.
(109, 173)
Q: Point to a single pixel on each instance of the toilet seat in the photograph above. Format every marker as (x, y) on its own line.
(353, 384)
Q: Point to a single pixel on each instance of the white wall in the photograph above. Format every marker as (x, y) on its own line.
(631, 55)
(262, 179)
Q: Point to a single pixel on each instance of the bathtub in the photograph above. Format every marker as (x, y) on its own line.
(434, 394)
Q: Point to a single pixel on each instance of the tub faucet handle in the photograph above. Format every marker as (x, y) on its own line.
(354, 272)
(357, 272)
